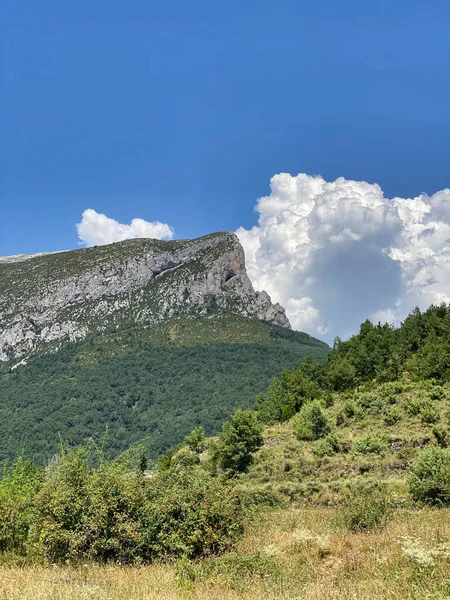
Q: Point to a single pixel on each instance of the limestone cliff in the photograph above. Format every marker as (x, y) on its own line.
(47, 299)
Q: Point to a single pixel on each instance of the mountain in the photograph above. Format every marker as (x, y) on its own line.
(47, 299)
(140, 340)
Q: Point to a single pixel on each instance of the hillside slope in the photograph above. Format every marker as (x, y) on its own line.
(153, 384)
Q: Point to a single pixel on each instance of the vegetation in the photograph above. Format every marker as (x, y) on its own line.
(150, 386)
(322, 490)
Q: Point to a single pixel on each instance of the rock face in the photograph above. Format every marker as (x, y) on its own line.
(48, 299)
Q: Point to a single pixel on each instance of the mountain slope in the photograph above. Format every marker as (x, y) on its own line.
(49, 299)
(139, 340)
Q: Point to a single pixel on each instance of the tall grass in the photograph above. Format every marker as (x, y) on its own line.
(312, 559)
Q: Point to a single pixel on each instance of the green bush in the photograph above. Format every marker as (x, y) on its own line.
(195, 441)
(437, 392)
(326, 446)
(368, 401)
(414, 406)
(429, 476)
(312, 422)
(365, 509)
(18, 487)
(188, 513)
(341, 374)
(429, 415)
(239, 439)
(371, 444)
(393, 416)
(390, 390)
(110, 513)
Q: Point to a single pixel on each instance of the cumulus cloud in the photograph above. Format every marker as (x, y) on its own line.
(97, 229)
(334, 253)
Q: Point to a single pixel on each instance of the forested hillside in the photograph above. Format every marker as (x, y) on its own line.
(152, 385)
(336, 485)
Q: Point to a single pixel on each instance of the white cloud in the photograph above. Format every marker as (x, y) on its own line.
(334, 253)
(97, 229)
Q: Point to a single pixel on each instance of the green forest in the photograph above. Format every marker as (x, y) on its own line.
(143, 386)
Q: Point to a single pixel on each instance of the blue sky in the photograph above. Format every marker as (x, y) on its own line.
(181, 112)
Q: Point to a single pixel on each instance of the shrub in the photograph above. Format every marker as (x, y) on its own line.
(195, 441)
(437, 392)
(414, 406)
(312, 422)
(429, 476)
(393, 416)
(18, 488)
(342, 374)
(371, 444)
(109, 513)
(365, 509)
(368, 401)
(429, 415)
(349, 409)
(188, 513)
(240, 437)
(442, 436)
(390, 390)
(327, 446)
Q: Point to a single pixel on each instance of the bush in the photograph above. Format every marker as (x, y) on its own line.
(429, 476)
(327, 446)
(393, 416)
(390, 390)
(415, 406)
(429, 415)
(341, 375)
(437, 392)
(195, 441)
(240, 438)
(18, 487)
(312, 422)
(371, 444)
(365, 509)
(368, 401)
(109, 513)
(189, 514)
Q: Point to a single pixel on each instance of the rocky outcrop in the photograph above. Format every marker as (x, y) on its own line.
(48, 299)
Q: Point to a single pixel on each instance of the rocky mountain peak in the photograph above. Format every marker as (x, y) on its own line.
(48, 299)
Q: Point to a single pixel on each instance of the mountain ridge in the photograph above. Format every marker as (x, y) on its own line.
(51, 298)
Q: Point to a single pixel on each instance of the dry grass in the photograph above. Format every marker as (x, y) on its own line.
(313, 560)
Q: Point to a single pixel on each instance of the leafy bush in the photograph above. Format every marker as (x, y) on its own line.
(414, 406)
(285, 396)
(109, 513)
(18, 487)
(429, 476)
(429, 414)
(188, 513)
(368, 401)
(390, 390)
(341, 374)
(371, 444)
(312, 422)
(365, 509)
(196, 439)
(240, 437)
(437, 392)
(327, 446)
(393, 416)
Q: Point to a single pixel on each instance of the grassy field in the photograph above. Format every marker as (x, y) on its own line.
(288, 554)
